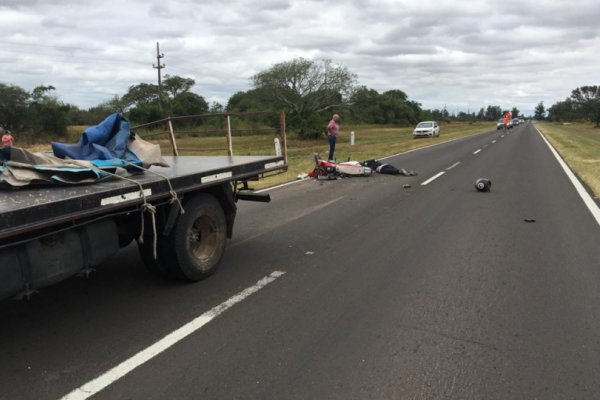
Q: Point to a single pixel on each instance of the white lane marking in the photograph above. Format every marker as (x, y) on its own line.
(428, 181)
(476, 151)
(281, 185)
(585, 196)
(493, 141)
(452, 166)
(485, 145)
(91, 388)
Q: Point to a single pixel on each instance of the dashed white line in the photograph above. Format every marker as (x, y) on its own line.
(91, 388)
(428, 181)
(493, 141)
(476, 151)
(452, 166)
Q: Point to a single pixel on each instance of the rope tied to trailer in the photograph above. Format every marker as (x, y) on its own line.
(172, 192)
(145, 207)
(151, 209)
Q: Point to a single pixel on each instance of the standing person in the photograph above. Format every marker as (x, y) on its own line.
(7, 139)
(333, 131)
(506, 121)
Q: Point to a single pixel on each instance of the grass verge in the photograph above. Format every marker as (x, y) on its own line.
(579, 145)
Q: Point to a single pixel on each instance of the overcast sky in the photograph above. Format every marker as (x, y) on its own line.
(462, 54)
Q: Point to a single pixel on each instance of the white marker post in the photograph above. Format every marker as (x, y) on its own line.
(352, 138)
(277, 147)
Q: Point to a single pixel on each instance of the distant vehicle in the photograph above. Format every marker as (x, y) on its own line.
(500, 124)
(515, 121)
(426, 128)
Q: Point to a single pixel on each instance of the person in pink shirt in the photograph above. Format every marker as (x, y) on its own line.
(333, 131)
(7, 139)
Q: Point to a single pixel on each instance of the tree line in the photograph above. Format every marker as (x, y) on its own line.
(582, 105)
(307, 91)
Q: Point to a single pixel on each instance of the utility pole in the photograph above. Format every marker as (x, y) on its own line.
(159, 67)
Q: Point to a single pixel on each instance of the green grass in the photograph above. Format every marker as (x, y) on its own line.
(579, 145)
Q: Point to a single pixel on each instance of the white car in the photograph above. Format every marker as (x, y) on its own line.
(426, 128)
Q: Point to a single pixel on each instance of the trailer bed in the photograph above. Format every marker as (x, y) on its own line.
(37, 207)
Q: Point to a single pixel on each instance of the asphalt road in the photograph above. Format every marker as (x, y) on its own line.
(435, 291)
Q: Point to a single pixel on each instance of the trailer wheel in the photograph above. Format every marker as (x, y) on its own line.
(197, 242)
(157, 266)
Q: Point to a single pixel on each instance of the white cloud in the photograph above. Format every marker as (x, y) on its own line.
(463, 54)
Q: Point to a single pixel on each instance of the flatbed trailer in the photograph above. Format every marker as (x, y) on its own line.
(180, 216)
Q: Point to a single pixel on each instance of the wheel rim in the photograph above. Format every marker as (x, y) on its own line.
(203, 238)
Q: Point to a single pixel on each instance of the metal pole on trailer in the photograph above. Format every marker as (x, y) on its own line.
(172, 136)
(283, 134)
(229, 141)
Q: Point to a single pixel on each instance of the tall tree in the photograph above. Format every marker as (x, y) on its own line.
(14, 102)
(587, 100)
(365, 106)
(563, 111)
(396, 109)
(47, 114)
(141, 94)
(481, 114)
(216, 107)
(515, 112)
(188, 103)
(492, 113)
(540, 111)
(176, 85)
(141, 100)
(305, 88)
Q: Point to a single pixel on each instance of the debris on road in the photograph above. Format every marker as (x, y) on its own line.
(332, 170)
(388, 169)
(529, 220)
(483, 185)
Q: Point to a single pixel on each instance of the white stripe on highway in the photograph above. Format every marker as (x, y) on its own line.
(476, 151)
(452, 166)
(428, 181)
(112, 375)
(493, 141)
(585, 196)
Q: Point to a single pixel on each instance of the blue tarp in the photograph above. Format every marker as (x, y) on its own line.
(106, 141)
(104, 150)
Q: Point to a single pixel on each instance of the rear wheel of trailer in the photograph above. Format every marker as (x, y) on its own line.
(195, 245)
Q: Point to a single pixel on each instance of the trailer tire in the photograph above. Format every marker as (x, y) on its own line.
(158, 265)
(197, 242)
